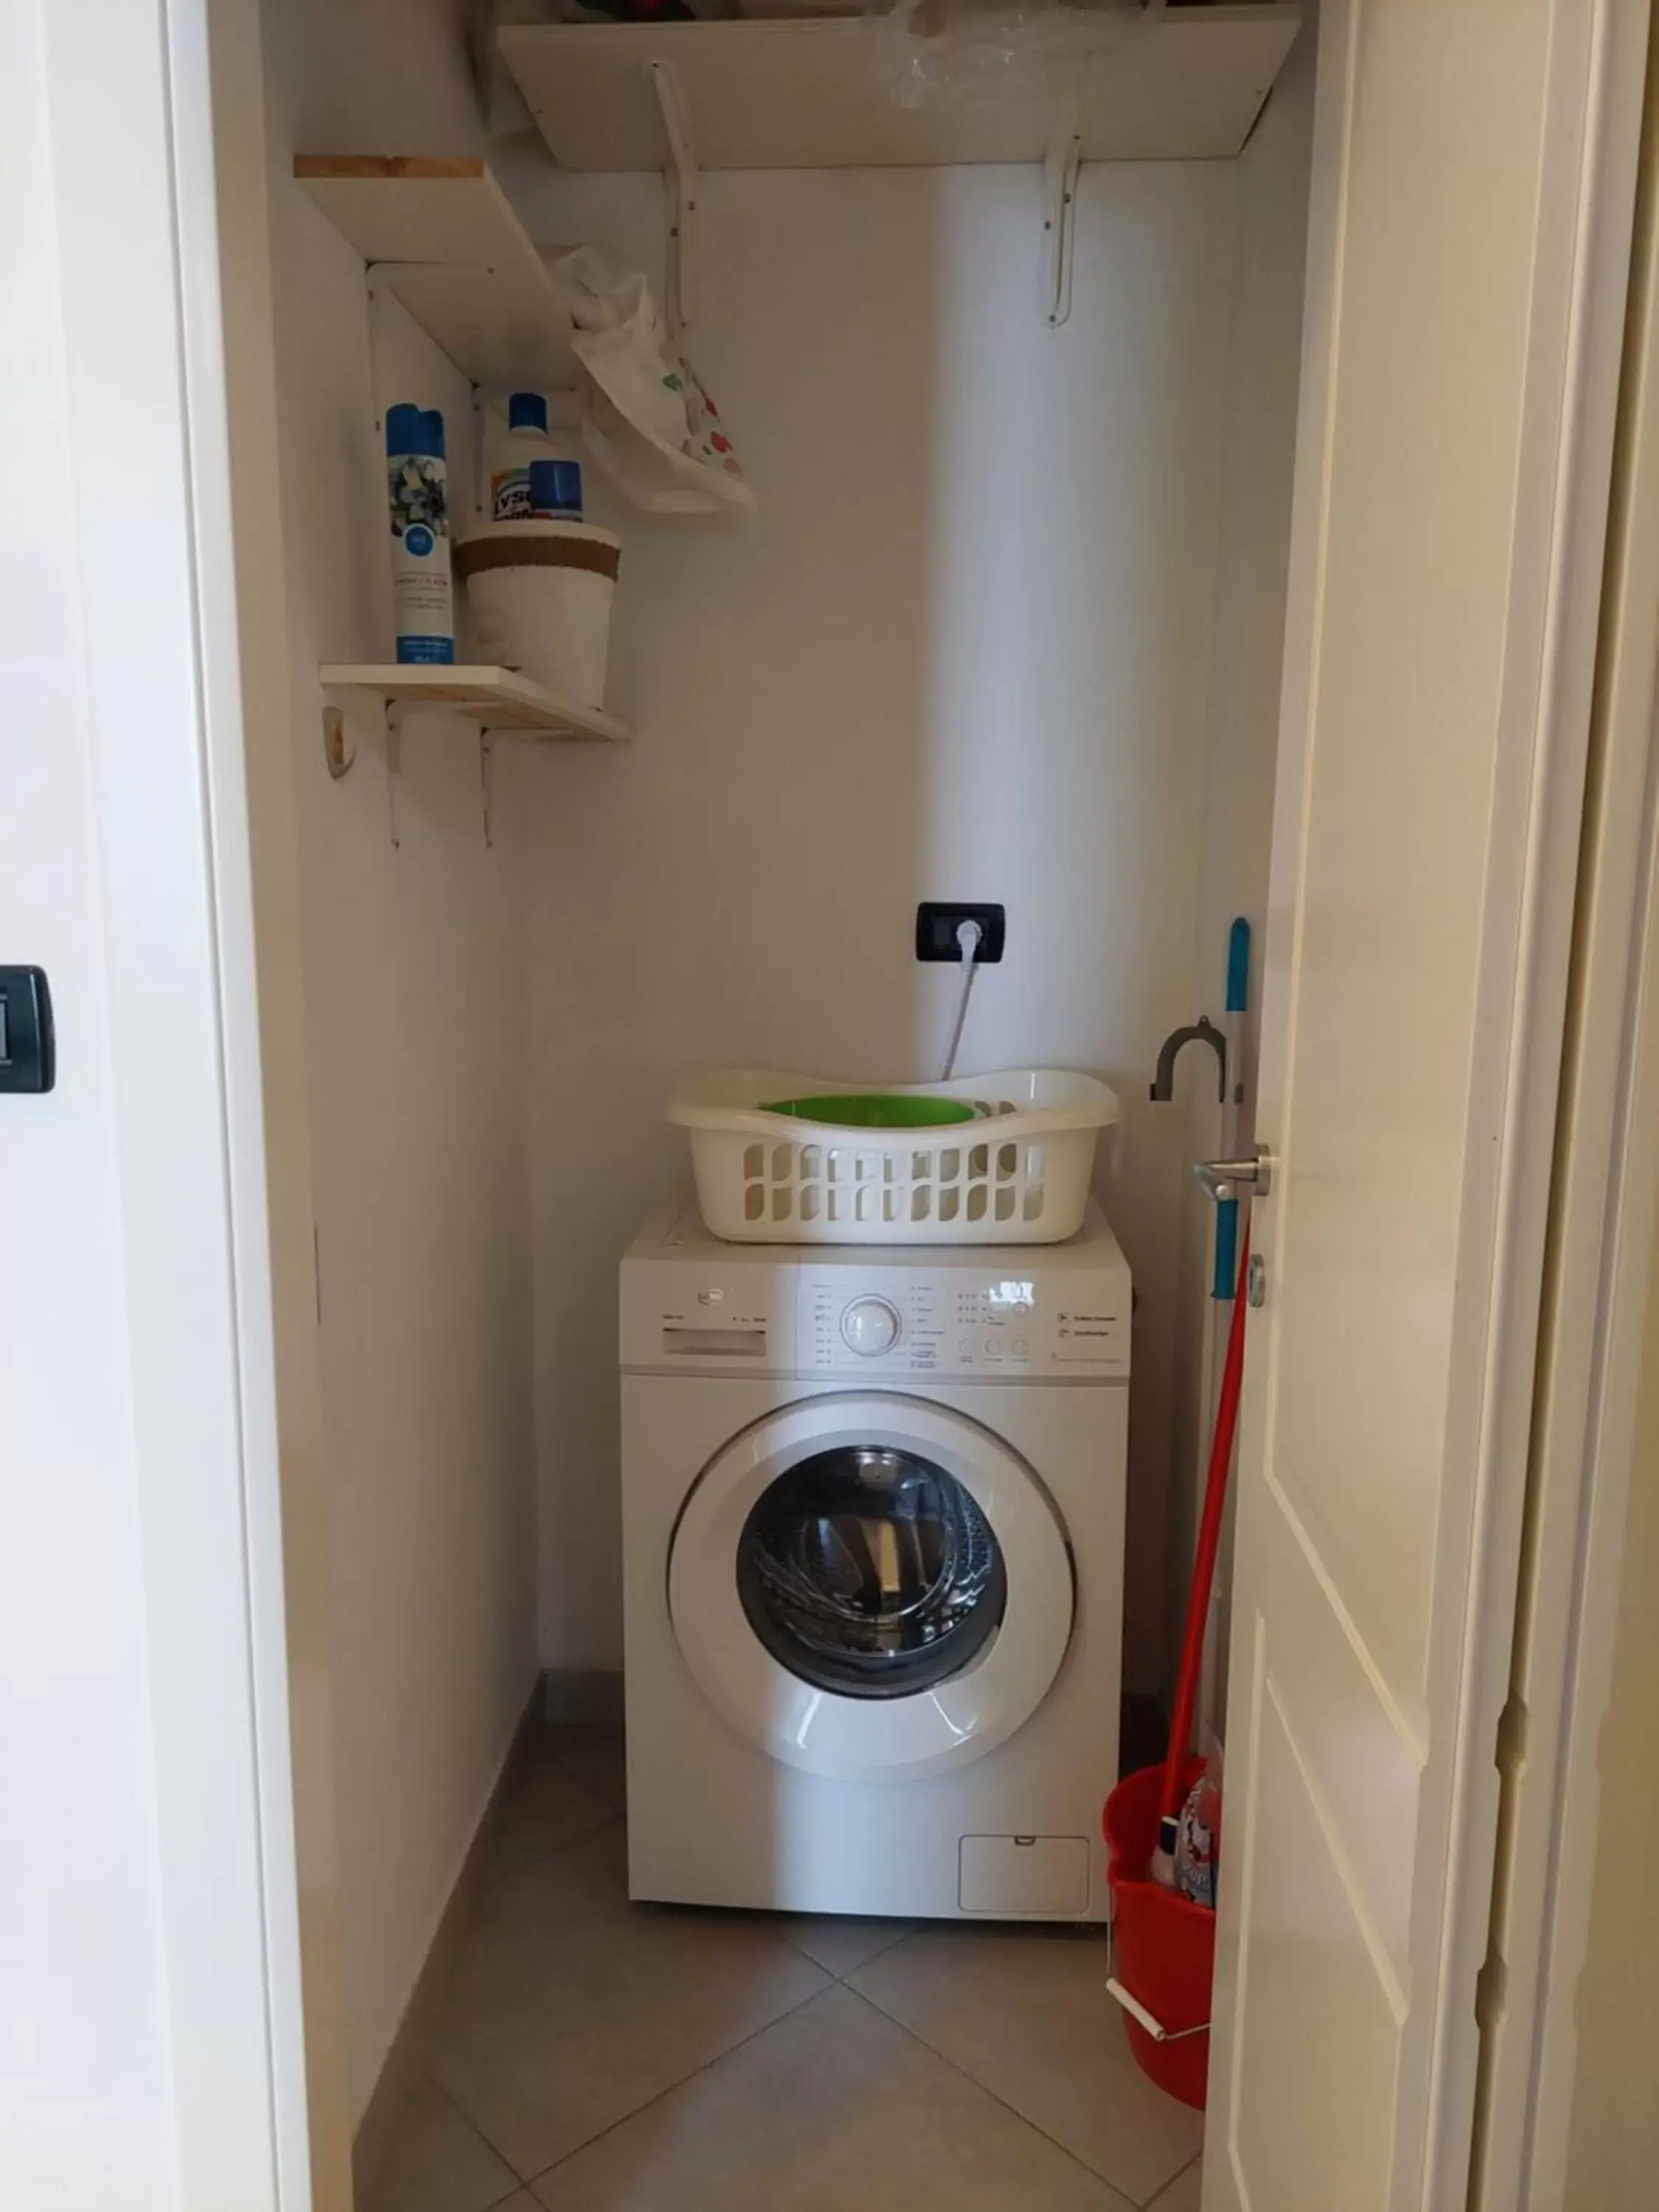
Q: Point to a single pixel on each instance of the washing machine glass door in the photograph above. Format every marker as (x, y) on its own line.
(871, 1586)
(870, 1569)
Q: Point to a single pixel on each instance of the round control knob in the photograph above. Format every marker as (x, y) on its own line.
(869, 1326)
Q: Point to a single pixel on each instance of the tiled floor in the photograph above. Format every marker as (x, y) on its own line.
(599, 2056)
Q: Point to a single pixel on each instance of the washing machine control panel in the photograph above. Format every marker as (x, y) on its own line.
(963, 1322)
(690, 1305)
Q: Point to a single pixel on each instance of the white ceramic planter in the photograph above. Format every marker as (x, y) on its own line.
(541, 595)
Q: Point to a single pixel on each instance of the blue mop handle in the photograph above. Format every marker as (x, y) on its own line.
(1238, 968)
(1226, 1248)
(1225, 1277)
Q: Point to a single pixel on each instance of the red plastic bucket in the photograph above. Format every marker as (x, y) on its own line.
(1164, 1946)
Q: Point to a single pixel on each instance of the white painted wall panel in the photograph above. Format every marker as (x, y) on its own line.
(964, 651)
(415, 1031)
(1613, 2138)
(1246, 653)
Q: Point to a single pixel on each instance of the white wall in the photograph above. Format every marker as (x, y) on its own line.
(1246, 652)
(963, 651)
(1612, 2144)
(414, 1036)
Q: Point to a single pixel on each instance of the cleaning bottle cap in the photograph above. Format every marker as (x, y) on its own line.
(405, 429)
(411, 429)
(527, 410)
(556, 490)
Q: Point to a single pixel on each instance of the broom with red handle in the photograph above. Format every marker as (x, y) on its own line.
(1209, 1541)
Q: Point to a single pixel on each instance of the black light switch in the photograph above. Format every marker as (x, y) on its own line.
(27, 1057)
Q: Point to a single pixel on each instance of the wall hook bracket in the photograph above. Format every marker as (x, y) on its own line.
(1060, 176)
(681, 184)
(1202, 1031)
(481, 503)
(486, 784)
(338, 751)
(394, 765)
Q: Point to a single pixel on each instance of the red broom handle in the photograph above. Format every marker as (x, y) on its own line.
(1209, 1537)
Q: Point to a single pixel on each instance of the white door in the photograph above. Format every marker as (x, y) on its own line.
(871, 1587)
(151, 2047)
(1472, 180)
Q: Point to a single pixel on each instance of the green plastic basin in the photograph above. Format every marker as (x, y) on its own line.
(875, 1110)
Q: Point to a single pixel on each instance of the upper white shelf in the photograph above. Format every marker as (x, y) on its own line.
(440, 235)
(493, 698)
(1186, 84)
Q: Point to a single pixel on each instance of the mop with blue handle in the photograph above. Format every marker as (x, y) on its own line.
(1225, 1276)
(1232, 1028)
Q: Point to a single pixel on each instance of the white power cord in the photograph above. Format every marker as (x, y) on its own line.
(970, 936)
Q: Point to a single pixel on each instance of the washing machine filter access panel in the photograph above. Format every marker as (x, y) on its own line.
(797, 1309)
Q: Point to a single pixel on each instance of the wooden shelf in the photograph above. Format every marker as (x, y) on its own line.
(441, 237)
(1185, 85)
(496, 699)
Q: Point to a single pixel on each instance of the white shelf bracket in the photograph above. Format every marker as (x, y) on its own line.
(486, 783)
(394, 764)
(1060, 174)
(381, 301)
(680, 183)
(480, 456)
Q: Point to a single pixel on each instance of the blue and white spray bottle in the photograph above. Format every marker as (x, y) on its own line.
(422, 592)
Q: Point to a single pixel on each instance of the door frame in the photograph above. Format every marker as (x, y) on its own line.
(1605, 1208)
(153, 159)
(218, 1240)
(1596, 109)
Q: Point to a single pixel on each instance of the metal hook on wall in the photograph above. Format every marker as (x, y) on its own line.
(1202, 1031)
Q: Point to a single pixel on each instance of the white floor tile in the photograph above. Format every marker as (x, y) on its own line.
(571, 2009)
(438, 2162)
(1182, 2194)
(833, 2108)
(1025, 2011)
(596, 1757)
(840, 1945)
(546, 1809)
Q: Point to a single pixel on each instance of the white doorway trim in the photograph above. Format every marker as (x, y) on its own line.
(182, 1049)
(1605, 1204)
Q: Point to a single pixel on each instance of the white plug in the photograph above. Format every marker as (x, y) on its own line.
(970, 938)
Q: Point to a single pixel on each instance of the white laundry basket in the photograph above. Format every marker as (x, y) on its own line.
(1016, 1173)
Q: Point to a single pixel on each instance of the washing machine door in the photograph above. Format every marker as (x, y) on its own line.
(871, 1587)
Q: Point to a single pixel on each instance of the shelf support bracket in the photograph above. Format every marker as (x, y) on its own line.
(481, 504)
(1060, 174)
(394, 765)
(680, 182)
(487, 782)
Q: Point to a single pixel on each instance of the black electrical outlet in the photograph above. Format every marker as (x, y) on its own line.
(26, 1055)
(937, 923)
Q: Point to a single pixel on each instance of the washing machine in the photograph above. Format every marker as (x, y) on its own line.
(873, 1530)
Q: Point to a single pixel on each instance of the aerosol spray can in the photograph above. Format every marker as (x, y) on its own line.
(423, 594)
